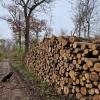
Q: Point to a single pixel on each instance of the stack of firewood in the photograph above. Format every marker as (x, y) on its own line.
(71, 66)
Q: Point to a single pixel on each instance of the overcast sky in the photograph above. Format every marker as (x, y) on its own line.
(61, 19)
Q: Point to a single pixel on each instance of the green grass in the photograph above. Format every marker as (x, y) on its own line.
(23, 70)
(46, 90)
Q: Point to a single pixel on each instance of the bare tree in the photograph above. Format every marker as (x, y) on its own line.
(88, 13)
(28, 7)
(15, 20)
(84, 15)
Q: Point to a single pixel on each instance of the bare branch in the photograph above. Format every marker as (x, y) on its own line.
(34, 6)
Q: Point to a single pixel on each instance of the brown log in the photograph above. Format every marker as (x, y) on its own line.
(91, 91)
(66, 74)
(77, 89)
(71, 66)
(66, 90)
(73, 89)
(83, 98)
(74, 61)
(83, 91)
(88, 85)
(99, 57)
(87, 76)
(78, 96)
(82, 83)
(96, 97)
(73, 39)
(97, 91)
(97, 67)
(89, 63)
(63, 40)
(71, 81)
(95, 52)
(95, 83)
(94, 76)
(72, 74)
(86, 51)
(77, 44)
(85, 45)
(79, 55)
(85, 67)
(99, 86)
(77, 81)
(88, 81)
(95, 46)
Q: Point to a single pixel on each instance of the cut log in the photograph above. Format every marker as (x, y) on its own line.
(83, 91)
(99, 57)
(71, 66)
(94, 76)
(97, 91)
(95, 46)
(91, 91)
(87, 76)
(79, 55)
(99, 86)
(95, 83)
(76, 45)
(78, 96)
(66, 90)
(97, 67)
(73, 39)
(77, 81)
(88, 86)
(86, 51)
(95, 52)
(89, 63)
(72, 74)
(83, 98)
(96, 97)
(85, 67)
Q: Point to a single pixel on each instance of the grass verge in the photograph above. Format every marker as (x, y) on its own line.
(46, 90)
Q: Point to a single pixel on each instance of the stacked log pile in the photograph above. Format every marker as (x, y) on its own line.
(71, 66)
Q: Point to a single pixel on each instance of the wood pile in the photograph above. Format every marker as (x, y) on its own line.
(71, 66)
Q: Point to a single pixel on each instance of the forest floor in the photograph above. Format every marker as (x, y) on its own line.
(18, 88)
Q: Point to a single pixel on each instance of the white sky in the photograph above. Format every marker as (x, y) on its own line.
(61, 19)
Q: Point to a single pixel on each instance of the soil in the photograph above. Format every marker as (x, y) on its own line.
(19, 87)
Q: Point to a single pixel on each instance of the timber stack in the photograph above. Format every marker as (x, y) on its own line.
(68, 64)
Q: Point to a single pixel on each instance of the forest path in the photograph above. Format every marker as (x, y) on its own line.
(19, 87)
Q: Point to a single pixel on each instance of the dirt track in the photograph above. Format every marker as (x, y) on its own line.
(19, 87)
(13, 89)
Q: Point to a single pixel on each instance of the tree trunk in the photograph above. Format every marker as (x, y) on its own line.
(37, 36)
(20, 44)
(19, 32)
(84, 30)
(79, 31)
(88, 29)
(27, 35)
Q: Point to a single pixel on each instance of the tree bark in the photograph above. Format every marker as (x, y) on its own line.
(37, 36)
(88, 29)
(19, 32)
(79, 31)
(27, 35)
(20, 44)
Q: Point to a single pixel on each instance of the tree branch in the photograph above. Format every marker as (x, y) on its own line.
(34, 6)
